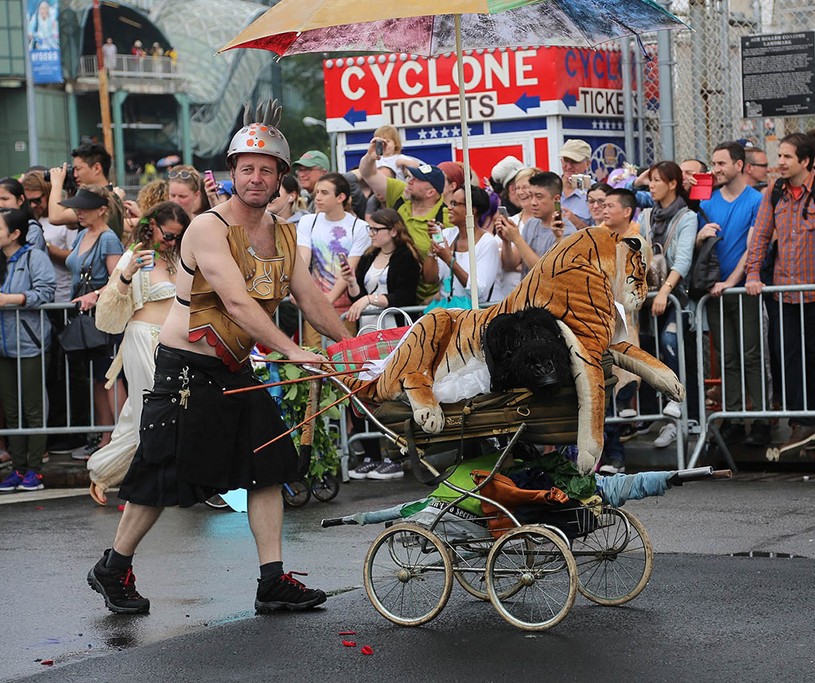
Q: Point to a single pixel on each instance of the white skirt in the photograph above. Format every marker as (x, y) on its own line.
(109, 464)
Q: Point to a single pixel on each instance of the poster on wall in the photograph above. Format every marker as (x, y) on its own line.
(43, 41)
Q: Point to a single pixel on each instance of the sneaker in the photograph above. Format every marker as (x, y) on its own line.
(11, 482)
(117, 587)
(733, 433)
(387, 470)
(31, 482)
(624, 400)
(760, 434)
(802, 435)
(364, 469)
(286, 592)
(643, 427)
(5, 459)
(667, 435)
(672, 409)
(612, 467)
(628, 432)
(67, 445)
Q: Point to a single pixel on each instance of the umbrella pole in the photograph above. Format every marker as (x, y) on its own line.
(465, 151)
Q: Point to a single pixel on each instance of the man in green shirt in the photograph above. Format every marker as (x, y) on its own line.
(418, 201)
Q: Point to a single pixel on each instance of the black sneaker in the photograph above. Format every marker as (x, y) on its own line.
(760, 434)
(286, 592)
(117, 587)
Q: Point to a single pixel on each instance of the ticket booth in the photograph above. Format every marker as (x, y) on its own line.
(523, 101)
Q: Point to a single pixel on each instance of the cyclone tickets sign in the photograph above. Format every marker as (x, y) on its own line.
(410, 90)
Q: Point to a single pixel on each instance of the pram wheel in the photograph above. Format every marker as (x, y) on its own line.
(467, 557)
(531, 578)
(614, 561)
(296, 493)
(408, 575)
(325, 488)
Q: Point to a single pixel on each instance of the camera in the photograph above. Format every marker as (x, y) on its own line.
(70, 182)
(379, 147)
(581, 181)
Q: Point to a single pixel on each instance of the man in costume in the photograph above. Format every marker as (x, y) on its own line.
(237, 262)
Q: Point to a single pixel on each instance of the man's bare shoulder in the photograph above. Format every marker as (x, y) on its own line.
(205, 226)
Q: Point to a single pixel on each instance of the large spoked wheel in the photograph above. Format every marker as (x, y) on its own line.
(408, 575)
(325, 488)
(470, 565)
(614, 561)
(296, 493)
(531, 578)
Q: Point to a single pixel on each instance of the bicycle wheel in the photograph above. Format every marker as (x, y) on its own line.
(531, 578)
(326, 488)
(614, 561)
(408, 575)
(296, 493)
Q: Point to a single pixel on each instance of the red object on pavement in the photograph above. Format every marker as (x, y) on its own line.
(121, 508)
(47, 662)
(39, 507)
(366, 650)
(349, 643)
(348, 633)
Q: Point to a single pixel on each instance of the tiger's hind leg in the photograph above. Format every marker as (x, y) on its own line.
(590, 386)
(427, 412)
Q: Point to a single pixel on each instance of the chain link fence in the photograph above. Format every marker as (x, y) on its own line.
(706, 70)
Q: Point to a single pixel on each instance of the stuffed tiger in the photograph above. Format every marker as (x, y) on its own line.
(577, 281)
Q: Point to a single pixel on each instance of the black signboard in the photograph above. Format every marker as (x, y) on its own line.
(778, 74)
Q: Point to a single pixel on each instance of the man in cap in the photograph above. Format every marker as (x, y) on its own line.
(312, 166)
(575, 158)
(237, 263)
(502, 179)
(419, 202)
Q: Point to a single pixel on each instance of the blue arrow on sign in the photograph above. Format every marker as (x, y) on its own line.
(569, 100)
(526, 102)
(353, 117)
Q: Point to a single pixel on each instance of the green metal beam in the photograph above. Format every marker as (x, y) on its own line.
(184, 126)
(119, 98)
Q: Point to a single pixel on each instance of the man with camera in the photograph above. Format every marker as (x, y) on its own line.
(91, 166)
(575, 158)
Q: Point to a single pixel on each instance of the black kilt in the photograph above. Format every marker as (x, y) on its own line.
(199, 443)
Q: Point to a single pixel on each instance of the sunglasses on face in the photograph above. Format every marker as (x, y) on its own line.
(167, 236)
(453, 204)
(35, 201)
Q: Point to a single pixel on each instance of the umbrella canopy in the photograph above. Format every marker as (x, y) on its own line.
(417, 26)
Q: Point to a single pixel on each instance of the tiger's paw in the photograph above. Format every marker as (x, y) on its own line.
(586, 462)
(430, 418)
(672, 388)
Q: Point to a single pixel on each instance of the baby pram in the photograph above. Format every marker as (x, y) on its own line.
(530, 570)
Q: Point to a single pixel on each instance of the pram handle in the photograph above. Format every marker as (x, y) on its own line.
(337, 521)
(699, 473)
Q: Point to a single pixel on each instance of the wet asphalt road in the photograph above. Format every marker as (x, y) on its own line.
(705, 616)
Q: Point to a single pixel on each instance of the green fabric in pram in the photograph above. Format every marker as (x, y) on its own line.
(461, 478)
(565, 475)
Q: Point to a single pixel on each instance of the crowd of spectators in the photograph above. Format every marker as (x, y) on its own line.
(390, 234)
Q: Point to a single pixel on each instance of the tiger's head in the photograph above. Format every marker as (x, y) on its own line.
(629, 286)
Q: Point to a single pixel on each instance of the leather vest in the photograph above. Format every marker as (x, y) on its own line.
(267, 282)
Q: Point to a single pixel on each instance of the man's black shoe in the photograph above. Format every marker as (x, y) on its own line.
(733, 433)
(286, 592)
(760, 434)
(117, 587)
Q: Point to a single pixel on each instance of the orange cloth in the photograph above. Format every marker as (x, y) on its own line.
(504, 491)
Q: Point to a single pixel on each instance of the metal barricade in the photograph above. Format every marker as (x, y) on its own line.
(708, 427)
(59, 313)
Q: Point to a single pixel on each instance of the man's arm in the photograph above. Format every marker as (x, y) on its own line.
(206, 240)
(759, 242)
(59, 215)
(367, 168)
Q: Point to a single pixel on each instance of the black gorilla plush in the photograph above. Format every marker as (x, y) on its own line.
(526, 350)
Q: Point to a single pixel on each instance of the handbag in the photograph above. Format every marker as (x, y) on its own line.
(658, 267)
(80, 333)
(450, 301)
